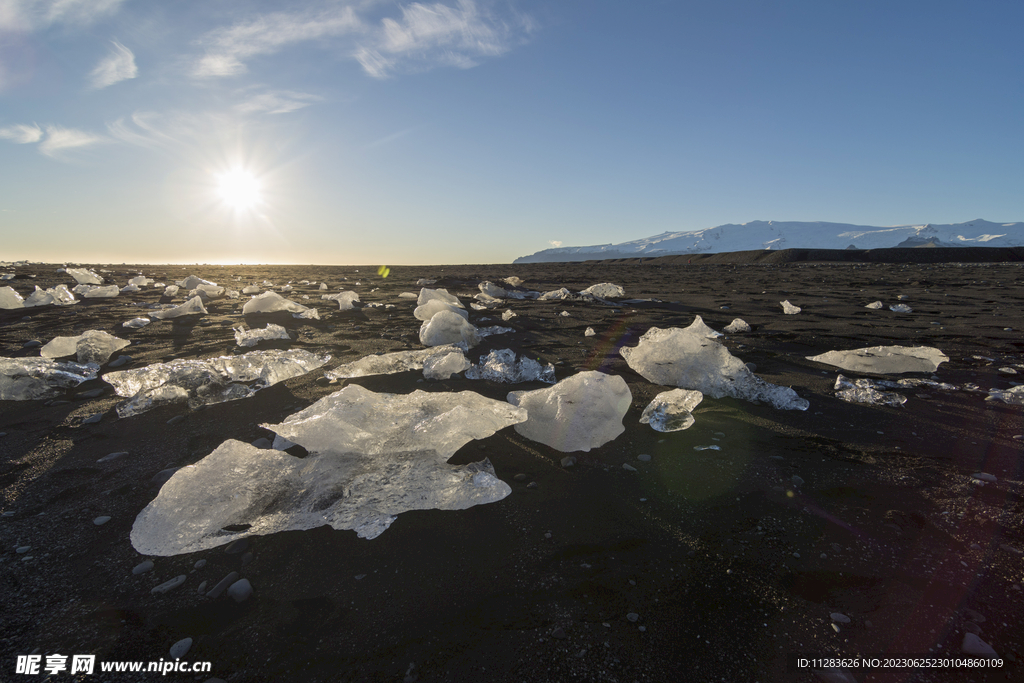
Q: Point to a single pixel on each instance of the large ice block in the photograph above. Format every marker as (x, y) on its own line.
(444, 365)
(273, 491)
(211, 380)
(434, 306)
(885, 360)
(27, 379)
(501, 365)
(389, 363)
(57, 296)
(448, 327)
(92, 346)
(686, 358)
(10, 299)
(579, 413)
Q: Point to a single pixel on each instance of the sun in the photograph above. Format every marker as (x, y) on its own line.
(239, 189)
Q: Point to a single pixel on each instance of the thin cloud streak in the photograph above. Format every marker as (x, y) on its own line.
(59, 139)
(277, 102)
(30, 15)
(227, 49)
(119, 65)
(21, 133)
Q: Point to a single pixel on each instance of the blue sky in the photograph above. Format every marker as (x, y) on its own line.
(476, 131)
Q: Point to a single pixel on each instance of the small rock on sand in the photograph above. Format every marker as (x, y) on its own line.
(169, 585)
(181, 648)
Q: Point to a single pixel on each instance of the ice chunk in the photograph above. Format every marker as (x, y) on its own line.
(346, 300)
(1012, 396)
(492, 330)
(107, 292)
(84, 277)
(864, 391)
(788, 308)
(441, 294)
(388, 363)
(208, 292)
(58, 296)
(501, 366)
(901, 308)
(492, 290)
(129, 288)
(447, 327)
(92, 346)
(136, 323)
(253, 289)
(171, 290)
(212, 380)
(245, 337)
(508, 315)
(10, 299)
(434, 306)
(27, 379)
(272, 491)
(682, 358)
(192, 281)
(408, 295)
(698, 326)
(876, 305)
(424, 282)
(737, 325)
(589, 332)
(357, 420)
(605, 290)
(884, 360)
(444, 365)
(556, 294)
(323, 286)
(193, 306)
(141, 281)
(270, 302)
(579, 413)
(513, 280)
(670, 410)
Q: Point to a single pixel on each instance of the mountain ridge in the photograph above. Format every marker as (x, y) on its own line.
(777, 235)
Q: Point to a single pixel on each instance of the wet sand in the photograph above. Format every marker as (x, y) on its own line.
(729, 566)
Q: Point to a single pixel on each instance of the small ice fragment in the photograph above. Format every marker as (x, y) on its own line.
(589, 332)
(1012, 396)
(687, 359)
(443, 366)
(253, 289)
(245, 337)
(140, 280)
(84, 277)
(107, 292)
(129, 288)
(900, 308)
(501, 366)
(432, 307)
(865, 391)
(192, 281)
(670, 410)
(389, 363)
(876, 304)
(27, 379)
(171, 290)
(884, 360)
(737, 325)
(605, 290)
(136, 323)
(492, 330)
(346, 300)
(508, 315)
(271, 302)
(579, 413)
(788, 308)
(707, 448)
(407, 295)
(193, 306)
(492, 290)
(92, 346)
(698, 326)
(562, 293)
(441, 294)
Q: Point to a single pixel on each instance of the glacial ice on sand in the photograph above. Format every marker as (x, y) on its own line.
(270, 302)
(193, 306)
(687, 359)
(788, 308)
(27, 379)
(193, 281)
(211, 380)
(10, 299)
(389, 363)
(357, 420)
(605, 290)
(444, 365)
(92, 346)
(434, 306)
(441, 294)
(501, 366)
(884, 360)
(84, 277)
(698, 326)
(901, 308)
(670, 410)
(865, 391)
(271, 332)
(130, 288)
(346, 300)
(579, 413)
(108, 292)
(737, 325)
(58, 296)
(1011, 396)
(448, 327)
(273, 491)
(141, 281)
(171, 290)
(136, 323)
(875, 305)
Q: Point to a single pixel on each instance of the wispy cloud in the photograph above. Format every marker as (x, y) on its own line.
(59, 139)
(227, 49)
(21, 133)
(438, 35)
(29, 15)
(276, 102)
(555, 243)
(119, 65)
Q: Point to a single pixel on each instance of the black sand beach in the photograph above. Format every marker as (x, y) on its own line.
(700, 565)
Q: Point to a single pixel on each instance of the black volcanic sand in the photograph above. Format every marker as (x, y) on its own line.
(729, 565)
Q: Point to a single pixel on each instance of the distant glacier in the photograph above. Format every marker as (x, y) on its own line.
(775, 235)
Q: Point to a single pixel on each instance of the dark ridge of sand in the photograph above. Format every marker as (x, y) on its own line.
(730, 566)
(920, 255)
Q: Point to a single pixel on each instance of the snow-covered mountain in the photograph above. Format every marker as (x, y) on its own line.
(794, 235)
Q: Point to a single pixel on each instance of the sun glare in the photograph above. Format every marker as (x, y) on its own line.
(239, 189)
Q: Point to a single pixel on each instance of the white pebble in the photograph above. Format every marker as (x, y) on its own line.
(101, 520)
(181, 648)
